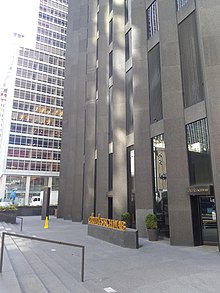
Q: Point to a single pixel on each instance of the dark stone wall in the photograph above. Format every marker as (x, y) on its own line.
(125, 238)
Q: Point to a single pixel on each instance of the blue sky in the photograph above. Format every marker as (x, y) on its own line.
(16, 16)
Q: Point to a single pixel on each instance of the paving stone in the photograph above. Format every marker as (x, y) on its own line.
(155, 267)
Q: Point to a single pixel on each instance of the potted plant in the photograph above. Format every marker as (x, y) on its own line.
(151, 224)
(8, 214)
(126, 218)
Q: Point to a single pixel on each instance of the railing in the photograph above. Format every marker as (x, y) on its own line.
(22, 220)
(43, 240)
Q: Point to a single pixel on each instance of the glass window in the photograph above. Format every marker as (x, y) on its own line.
(97, 22)
(37, 184)
(199, 158)
(110, 113)
(17, 183)
(127, 6)
(155, 88)
(131, 184)
(110, 64)
(152, 20)
(55, 183)
(160, 183)
(181, 3)
(97, 81)
(110, 172)
(128, 45)
(129, 101)
(110, 5)
(191, 65)
(110, 31)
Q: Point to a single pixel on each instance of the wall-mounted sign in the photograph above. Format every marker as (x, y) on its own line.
(109, 223)
(200, 190)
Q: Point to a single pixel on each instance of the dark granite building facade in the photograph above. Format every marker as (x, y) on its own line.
(141, 127)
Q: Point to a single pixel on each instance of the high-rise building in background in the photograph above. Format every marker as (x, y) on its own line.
(33, 109)
(11, 61)
(3, 96)
(141, 126)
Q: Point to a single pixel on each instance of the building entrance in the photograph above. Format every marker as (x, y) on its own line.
(204, 220)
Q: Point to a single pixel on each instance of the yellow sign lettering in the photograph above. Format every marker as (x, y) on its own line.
(109, 223)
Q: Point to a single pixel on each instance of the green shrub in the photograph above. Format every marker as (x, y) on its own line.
(151, 221)
(8, 208)
(125, 217)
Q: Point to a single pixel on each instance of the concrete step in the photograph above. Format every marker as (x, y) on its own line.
(27, 279)
(64, 262)
(8, 278)
(12, 227)
(40, 267)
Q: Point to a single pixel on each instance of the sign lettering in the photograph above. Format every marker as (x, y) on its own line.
(109, 223)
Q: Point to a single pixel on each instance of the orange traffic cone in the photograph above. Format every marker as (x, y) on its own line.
(46, 223)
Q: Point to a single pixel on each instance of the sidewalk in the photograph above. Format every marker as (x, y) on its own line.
(154, 267)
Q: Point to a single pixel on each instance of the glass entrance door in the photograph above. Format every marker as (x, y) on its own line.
(208, 220)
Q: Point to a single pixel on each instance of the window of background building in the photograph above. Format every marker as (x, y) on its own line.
(192, 81)
(17, 183)
(152, 19)
(55, 183)
(129, 101)
(155, 91)
(37, 184)
(199, 158)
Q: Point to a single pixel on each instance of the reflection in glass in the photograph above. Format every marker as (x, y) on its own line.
(37, 184)
(208, 217)
(199, 152)
(160, 183)
(131, 184)
(18, 184)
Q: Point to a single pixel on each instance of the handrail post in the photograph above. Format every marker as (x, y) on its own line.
(82, 265)
(2, 250)
(44, 240)
(21, 224)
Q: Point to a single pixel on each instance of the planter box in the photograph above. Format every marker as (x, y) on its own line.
(152, 234)
(8, 216)
(126, 238)
(33, 210)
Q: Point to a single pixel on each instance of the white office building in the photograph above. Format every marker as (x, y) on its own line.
(33, 109)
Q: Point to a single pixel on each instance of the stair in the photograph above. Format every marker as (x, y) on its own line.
(8, 278)
(39, 267)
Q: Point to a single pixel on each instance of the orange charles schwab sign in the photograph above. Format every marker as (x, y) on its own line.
(109, 223)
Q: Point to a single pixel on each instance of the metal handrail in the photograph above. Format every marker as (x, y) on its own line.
(43, 240)
(22, 220)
